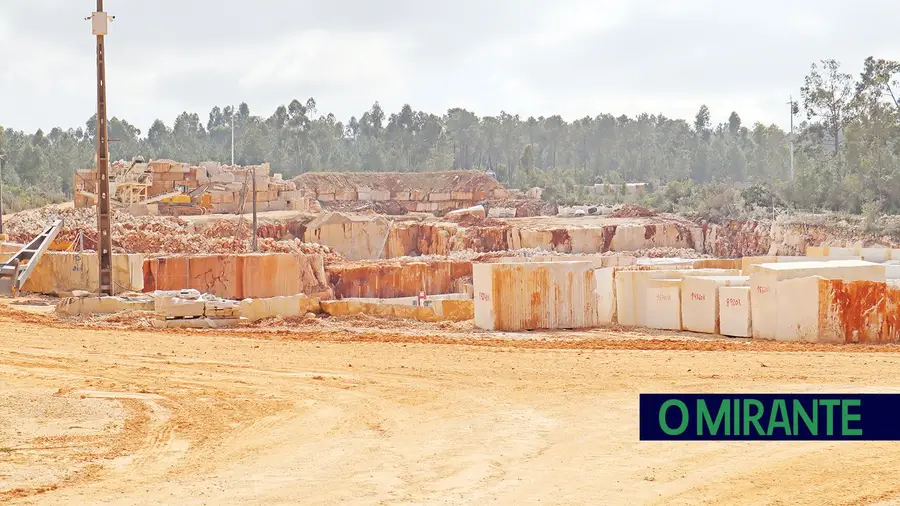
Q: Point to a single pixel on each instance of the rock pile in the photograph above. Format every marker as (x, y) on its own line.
(153, 234)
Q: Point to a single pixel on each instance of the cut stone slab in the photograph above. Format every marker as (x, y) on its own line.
(102, 305)
(197, 323)
(288, 306)
(174, 307)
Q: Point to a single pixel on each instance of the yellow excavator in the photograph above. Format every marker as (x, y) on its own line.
(187, 203)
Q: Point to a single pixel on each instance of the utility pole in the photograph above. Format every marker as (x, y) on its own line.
(232, 136)
(100, 27)
(253, 240)
(791, 104)
(1, 193)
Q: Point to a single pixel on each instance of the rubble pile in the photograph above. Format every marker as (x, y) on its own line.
(633, 211)
(152, 234)
(523, 207)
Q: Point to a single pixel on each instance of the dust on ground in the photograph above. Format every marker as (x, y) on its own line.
(340, 411)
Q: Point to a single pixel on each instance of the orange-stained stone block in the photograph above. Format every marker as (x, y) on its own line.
(270, 275)
(167, 273)
(219, 275)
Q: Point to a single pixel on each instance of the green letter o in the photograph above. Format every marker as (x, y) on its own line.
(684, 417)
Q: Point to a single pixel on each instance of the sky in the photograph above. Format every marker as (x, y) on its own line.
(526, 57)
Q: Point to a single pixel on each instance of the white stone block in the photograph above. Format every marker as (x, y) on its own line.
(700, 301)
(877, 255)
(606, 295)
(223, 178)
(173, 307)
(664, 304)
(631, 288)
(734, 311)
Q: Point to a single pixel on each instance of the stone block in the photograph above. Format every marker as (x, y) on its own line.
(60, 273)
(402, 195)
(768, 302)
(518, 296)
(102, 305)
(173, 307)
(381, 195)
(501, 193)
(198, 323)
(664, 304)
(438, 196)
(455, 309)
(287, 306)
(700, 301)
(734, 311)
(270, 275)
(221, 308)
(605, 291)
(477, 211)
(345, 195)
(224, 178)
(418, 195)
(461, 195)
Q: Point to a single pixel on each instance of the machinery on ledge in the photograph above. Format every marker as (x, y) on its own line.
(186, 202)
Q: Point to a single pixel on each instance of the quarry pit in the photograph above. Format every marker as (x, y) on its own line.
(426, 338)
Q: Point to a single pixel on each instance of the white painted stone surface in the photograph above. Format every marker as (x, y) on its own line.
(798, 318)
(700, 301)
(892, 269)
(877, 255)
(734, 311)
(663, 300)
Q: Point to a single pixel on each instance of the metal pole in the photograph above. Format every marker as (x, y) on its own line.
(791, 104)
(104, 249)
(232, 135)
(254, 211)
(1, 194)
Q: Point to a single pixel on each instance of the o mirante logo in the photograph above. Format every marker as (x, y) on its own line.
(799, 417)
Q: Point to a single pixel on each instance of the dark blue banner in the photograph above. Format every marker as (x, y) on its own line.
(763, 417)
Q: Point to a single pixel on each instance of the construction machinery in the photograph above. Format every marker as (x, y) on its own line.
(15, 271)
(184, 202)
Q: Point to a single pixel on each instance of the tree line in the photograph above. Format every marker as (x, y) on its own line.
(845, 137)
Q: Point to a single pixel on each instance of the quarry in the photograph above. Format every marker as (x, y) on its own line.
(415, 336)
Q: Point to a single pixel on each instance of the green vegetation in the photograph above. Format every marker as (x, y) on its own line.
(847, 149)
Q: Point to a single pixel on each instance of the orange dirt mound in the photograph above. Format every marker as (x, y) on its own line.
(633, 211)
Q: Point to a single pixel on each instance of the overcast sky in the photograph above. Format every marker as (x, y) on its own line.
(531, 57)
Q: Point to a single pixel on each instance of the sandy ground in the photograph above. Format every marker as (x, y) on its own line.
(341, 412)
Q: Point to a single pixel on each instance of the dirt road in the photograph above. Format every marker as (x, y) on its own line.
(128, 417)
